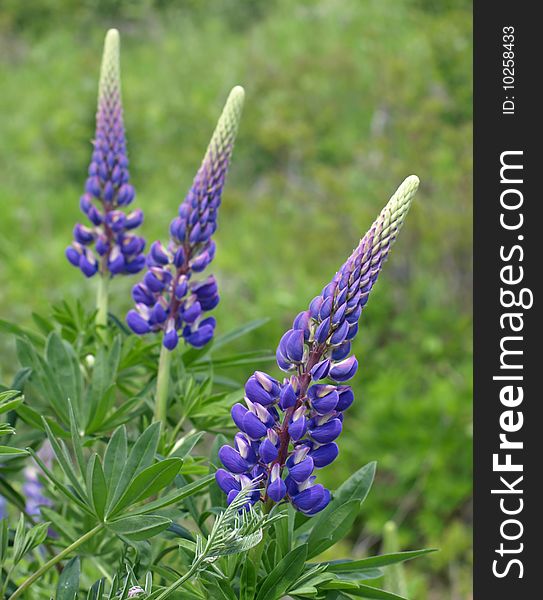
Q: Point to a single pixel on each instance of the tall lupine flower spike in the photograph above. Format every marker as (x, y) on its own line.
(107, 245)
(169, 299)
(289, 429)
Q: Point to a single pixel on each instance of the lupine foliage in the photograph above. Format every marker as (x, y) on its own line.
(130, 503)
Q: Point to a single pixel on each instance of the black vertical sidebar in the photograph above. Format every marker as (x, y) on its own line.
(508, 242)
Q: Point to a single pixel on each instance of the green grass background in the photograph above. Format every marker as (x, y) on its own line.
(344, 99)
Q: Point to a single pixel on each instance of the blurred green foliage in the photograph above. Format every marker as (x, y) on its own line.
(344, 99)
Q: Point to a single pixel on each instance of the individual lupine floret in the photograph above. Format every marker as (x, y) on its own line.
(168, 298)
(289, 429)
(108, 245)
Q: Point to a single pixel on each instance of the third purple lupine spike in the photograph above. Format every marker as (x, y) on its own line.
(289, 429)
(168, 298)
(108, 245)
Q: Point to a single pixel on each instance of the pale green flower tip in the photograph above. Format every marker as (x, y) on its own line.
(413, 182)
(409, 186)
(236, 99)
(238, 92)
(112, 37)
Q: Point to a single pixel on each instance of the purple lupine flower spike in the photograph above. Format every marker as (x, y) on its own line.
(107, 243)
(168, 298)
(290, 428)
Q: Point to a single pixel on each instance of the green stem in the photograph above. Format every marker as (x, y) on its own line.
(51, 563)
(102, 301)
(162, 385)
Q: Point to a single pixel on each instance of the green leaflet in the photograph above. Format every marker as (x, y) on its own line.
(139, 527)
(148, 482)
(68, 582)
(284, 574)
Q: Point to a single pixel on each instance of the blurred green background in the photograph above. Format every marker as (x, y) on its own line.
(344, 99)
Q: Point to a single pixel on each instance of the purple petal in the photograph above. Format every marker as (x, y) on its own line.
(253, 426)
(327, 432)
(309, 498)
(324, 455)
(277, 490)
(137, 323)
(344, 370)
(226, 481)
(302, 470)
(268, 452)
(232, 460)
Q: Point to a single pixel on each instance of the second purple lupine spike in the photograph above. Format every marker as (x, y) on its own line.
(169, 299)
(290, 429)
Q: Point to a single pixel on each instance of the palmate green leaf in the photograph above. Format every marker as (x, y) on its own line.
(147, 483)
(68, 582)
(141, 456)
(139, 527)
(350, 566)
(337, 526)
(96, 486)
(285, 573)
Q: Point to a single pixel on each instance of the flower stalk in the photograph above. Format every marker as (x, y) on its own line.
(163, 385)
(102, 300)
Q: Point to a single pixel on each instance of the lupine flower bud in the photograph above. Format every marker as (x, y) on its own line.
(292, 427)
(107, 188)
(135, 591)
(276, 487)
(191, 249)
